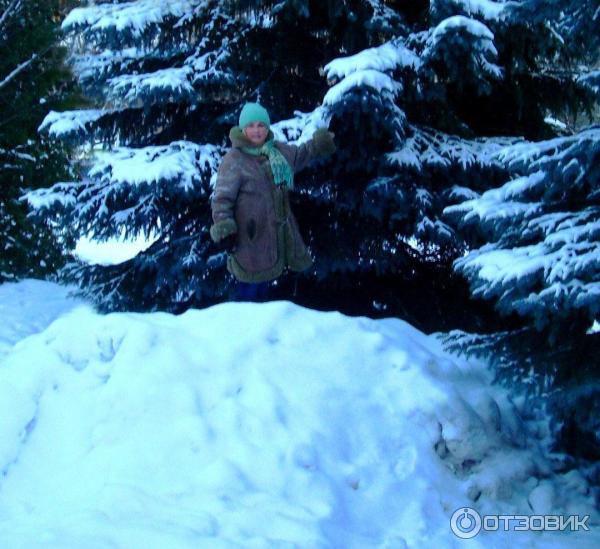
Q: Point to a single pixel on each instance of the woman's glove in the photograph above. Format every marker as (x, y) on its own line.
(227, 244)
(323, 140)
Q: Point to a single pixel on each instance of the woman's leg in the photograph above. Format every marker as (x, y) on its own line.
(246, 291)
(262, 291)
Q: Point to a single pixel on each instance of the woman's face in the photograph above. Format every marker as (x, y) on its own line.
(257, 132)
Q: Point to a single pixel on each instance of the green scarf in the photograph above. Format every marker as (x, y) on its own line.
(282, 171)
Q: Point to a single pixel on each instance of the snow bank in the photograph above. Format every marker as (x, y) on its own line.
(259, 425)
(28, 307)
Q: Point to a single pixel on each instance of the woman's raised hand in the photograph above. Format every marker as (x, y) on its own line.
(324, 143)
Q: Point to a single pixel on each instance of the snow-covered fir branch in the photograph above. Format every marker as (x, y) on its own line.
(70, 124)
(176, 167)
(428, 147)
(543, 258)
(591, 80)
(469, 39)
(128, 188)
(170, 85)
(387, 57)
(489, 10)
(129, 20)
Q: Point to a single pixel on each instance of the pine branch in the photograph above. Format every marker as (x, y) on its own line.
(25, 64)
(16, 71)
(14, 6)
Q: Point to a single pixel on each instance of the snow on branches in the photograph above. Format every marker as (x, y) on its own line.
(544, 225)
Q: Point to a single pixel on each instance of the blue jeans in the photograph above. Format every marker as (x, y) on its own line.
(247, 291)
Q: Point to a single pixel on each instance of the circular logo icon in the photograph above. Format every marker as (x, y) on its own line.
(465, 522)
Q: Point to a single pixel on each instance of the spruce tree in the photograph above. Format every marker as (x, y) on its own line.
(534, 239)
(33, 80)
(541, 260)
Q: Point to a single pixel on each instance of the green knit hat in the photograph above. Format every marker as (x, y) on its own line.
(253, 112)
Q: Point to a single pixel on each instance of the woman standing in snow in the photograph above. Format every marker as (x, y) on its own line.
(250, 204)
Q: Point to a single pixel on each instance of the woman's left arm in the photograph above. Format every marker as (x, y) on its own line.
(320, 145)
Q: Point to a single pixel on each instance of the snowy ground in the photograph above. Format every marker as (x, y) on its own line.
(255, 425)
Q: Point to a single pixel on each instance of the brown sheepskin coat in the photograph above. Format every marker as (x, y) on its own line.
(247, 202)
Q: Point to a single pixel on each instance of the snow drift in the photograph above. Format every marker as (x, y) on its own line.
(257, 425)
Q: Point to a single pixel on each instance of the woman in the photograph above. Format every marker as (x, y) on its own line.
(250, 204)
